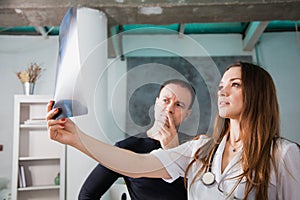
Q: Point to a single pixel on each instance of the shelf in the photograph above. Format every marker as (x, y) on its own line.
(38, 158)
(44, 187)
(33, 126)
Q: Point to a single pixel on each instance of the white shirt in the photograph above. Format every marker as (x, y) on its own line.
(287, 187)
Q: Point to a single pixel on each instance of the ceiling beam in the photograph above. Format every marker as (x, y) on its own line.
(42, 31)
(253, 33)
(181, 30)
(50, 13)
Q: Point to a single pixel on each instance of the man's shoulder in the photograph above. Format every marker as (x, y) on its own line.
(139, 143)
(131, 139)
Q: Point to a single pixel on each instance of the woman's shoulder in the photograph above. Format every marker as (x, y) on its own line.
(193, 144)
(284, 145)
(286, 150)
(201, 139)
(287, 160)
(202, 136)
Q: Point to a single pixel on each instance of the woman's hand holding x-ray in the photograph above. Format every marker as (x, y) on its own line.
(62, 130)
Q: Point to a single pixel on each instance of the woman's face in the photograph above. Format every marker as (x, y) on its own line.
(230, 97)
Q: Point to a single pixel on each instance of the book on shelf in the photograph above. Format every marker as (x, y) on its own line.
(20, 185)
(22, 177)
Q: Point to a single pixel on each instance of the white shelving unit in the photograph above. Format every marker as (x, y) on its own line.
(40, 157)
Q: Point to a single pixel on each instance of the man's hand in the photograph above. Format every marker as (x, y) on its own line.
(164, 131)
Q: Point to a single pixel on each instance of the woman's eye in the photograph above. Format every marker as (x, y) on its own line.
(236, 84)
(220, 87)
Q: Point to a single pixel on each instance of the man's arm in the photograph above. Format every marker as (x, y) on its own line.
(100, 179)
(97, 183)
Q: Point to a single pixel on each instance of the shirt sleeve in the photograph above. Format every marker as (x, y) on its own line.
(288, 182)
(177, 159)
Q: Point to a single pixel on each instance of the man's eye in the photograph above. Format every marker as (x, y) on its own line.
(165, 100)
(220, 87)
(179, 105)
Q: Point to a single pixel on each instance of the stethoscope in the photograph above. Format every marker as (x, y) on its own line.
(209, 178)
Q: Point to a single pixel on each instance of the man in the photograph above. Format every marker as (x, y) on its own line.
(172, 107)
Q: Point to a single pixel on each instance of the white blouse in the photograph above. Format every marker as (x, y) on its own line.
(286, 186)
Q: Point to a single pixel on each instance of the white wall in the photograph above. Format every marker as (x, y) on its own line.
(190, 45)
(278, 52)
(16, 53)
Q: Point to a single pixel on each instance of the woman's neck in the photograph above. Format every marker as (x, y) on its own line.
(234, 131)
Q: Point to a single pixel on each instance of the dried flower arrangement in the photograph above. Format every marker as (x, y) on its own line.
(31, 74)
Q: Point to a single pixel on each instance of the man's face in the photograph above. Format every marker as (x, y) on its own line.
(175, 100)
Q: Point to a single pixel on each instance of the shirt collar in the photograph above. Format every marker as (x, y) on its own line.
(233, 167)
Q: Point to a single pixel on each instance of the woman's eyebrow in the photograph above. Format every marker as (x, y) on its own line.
(235, 79)
(232, 79)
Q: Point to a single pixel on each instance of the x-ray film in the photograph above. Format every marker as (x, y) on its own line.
(69, 84)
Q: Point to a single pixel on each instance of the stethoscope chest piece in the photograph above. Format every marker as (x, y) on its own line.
(208, 178)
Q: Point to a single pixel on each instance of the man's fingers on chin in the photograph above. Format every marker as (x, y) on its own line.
(165, 133)
(166, 128)
(161, 133)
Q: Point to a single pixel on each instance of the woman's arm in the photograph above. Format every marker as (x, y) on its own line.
(120, 160)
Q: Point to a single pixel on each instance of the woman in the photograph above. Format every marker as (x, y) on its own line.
(244, 159)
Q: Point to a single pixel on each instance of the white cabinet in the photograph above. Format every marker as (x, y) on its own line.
(37, 160)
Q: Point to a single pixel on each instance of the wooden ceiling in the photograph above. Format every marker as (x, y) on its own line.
(257, 13)
(50, 13)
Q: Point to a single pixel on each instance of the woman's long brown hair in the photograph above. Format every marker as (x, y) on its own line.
(259, 128)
